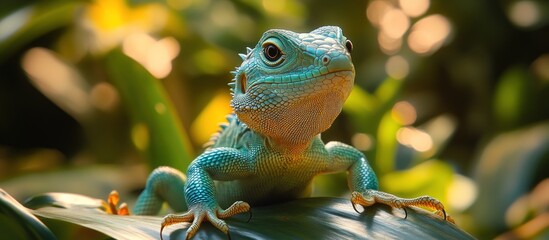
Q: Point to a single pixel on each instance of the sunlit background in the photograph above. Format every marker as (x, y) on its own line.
(451, 97)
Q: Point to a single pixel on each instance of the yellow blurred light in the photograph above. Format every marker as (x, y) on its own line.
(397, 67)
(404, 113)
(104, 96)
(213, 114)
(140, 136)
(462, 192)
(57, 80)
(110, 21)
(414, 138)
(524, 13)
(376, 10)
(274, 7)
(108, 14)
(428, 34)
(362, 141)
(541, 67)
(394, 23)
(414, 8)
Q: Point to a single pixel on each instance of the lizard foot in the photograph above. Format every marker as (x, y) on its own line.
(197, 213)
(111, 205)
(369, 197)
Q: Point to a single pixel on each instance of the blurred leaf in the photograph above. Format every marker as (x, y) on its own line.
(118, 227)
(386, 146)
(157, 131)
(370, 113)
(309, 218)
(362, 108)
(28, 23)
(512, 97)
(18, 223)
(505, 171)
(427, 178)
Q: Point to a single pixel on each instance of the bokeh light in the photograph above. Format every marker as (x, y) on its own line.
(414, 8)
(414, 138)
(376, 10)
(362, 141)
(404, 113)
(394, 23)
(155, 56)
(104, 96)
(462, 192)
(389, 45)
(428, 34)
(524, 13)
(397, 67)
(541, 67)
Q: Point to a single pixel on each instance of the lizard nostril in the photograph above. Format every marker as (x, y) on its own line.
(325, 60)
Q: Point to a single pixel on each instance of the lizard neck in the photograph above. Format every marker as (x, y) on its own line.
(291, 147)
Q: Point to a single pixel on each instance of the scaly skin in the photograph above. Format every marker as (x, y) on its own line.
(288, 90)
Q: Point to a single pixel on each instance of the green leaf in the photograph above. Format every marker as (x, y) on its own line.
(427, 178)
(28, 23)
(157, 131)
(18, 223)
(62, 200)
(309, 218)
(512, 97)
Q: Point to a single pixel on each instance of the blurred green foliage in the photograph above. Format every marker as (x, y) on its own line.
(128, 83)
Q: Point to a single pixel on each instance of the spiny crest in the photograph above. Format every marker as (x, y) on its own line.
(222, 126)
(235, 72)
(245, 56)
(232, 83)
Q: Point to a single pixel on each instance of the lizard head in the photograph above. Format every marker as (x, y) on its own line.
(292, 86)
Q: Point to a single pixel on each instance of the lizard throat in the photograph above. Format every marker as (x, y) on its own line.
(292, 114)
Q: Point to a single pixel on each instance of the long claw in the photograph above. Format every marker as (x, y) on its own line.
(236, 208)
(370, 197)
(197, 214)
(161, 229)
(173, 219)
(250, 217)
(354, 207)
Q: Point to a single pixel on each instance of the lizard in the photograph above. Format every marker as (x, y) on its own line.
(288, 90)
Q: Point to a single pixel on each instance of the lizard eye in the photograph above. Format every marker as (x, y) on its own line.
(272, 54)
(349, 46)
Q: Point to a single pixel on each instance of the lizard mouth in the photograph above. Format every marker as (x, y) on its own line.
(304, 79)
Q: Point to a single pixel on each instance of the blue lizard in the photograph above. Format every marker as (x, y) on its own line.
(288, 90)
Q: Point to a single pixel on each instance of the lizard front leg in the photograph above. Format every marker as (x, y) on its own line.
(222, 164)
(164, 184)
(364, 184)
